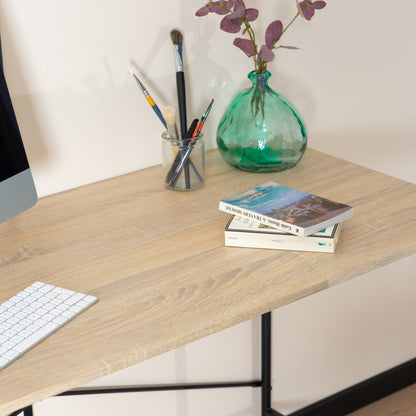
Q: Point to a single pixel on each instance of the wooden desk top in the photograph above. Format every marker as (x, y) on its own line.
(157, 262)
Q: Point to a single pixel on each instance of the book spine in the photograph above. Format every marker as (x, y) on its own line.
(239, 239)
(262, 219)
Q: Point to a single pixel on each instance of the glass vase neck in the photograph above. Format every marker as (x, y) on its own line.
(259, 79)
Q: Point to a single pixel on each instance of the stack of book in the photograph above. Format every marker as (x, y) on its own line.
(277, 217)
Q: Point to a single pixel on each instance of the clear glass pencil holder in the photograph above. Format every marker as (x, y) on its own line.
(183, 162)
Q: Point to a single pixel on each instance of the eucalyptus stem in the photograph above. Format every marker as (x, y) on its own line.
(262, 63)
(252, 37)
(287, 27)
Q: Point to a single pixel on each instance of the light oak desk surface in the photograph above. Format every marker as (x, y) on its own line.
(157, 262)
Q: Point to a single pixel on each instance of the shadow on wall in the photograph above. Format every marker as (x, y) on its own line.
(200, 85)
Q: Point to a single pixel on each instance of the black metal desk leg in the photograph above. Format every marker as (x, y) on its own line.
(28, 411)
(266, 346)
(266, 366)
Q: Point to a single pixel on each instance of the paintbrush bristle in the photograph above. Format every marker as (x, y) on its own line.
(169, 114)
(177, 37)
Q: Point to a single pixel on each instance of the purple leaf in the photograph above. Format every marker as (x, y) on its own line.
(266, 54)
(245, 45)
(230, 24)
(308, 13)
(203, 11)
(300, 5)
(239, 9)
(318, 5)
(305, 9)
(238, 3)
(216, 7)
(213, 7)
(220, 11)
(251, 14)
(273, 32)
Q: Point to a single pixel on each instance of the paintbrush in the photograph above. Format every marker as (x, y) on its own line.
(198, 129)
(148, 97)
(169, 114)
(177, 40)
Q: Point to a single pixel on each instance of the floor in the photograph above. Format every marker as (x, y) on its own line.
(402, 403)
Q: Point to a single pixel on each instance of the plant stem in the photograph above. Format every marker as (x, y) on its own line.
(262, 65)
(287, 27)
(252, 36)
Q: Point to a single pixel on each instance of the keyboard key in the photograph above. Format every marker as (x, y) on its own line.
(17, 339)
(32, 328)
(74, 299)
(60, 319)
(5, 325)
(8, 345)
(9, 333)
(10, 354)
(37, 336)
(3, 362)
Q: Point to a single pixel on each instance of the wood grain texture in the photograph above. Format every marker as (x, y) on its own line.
(157, 262)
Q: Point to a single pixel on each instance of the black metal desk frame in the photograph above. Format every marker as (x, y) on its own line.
(339, 404)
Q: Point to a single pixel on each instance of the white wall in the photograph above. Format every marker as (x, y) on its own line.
(83, 119)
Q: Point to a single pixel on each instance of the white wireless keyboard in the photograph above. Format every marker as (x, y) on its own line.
(33, 314)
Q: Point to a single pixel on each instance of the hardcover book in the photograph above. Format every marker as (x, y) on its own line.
(243, 232)
(287, 209)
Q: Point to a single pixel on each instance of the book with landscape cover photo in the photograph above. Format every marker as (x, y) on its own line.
(287, 209)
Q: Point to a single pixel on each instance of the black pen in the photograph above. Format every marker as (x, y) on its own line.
(192, 128)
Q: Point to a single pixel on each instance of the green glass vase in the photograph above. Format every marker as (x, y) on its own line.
(261, 130)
